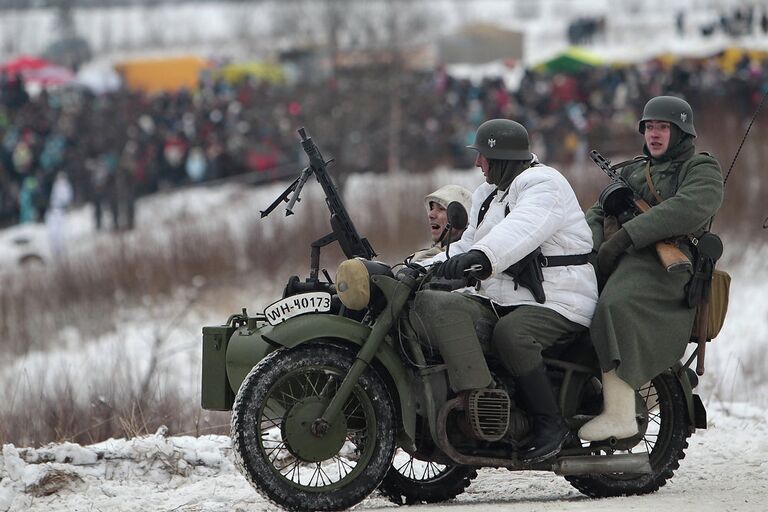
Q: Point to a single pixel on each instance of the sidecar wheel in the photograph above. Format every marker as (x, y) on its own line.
(410, 481)
(276, 447)
(665, 439)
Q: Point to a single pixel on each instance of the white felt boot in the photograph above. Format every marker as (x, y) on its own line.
(618, 416)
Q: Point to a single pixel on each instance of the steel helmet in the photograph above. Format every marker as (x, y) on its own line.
(671, 109)
(502, 139)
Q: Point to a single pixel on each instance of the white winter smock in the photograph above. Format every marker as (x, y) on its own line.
(543, 212)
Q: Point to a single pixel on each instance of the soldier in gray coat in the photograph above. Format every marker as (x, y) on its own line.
(642, 323)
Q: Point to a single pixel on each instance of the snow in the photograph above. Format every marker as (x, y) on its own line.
(725, 469)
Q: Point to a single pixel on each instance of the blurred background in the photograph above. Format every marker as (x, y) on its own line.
(140, 139)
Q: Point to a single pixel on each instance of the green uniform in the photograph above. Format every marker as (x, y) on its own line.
(642, 323)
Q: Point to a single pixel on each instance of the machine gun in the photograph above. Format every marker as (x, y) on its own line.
(620, 200)
(344, 230)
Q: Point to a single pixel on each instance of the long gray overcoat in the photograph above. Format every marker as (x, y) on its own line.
(642, 324)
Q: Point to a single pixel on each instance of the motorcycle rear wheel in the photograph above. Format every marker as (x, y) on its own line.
(410, 481)
(665, 441)
(274, 445)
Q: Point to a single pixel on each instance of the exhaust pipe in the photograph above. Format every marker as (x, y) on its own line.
(635, 463)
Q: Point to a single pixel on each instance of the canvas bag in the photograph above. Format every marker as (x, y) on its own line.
(718, 303)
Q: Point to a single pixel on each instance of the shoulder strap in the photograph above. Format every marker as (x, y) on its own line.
(484, 207)
(649, 182)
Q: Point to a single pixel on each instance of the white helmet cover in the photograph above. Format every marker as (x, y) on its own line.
(445, 195)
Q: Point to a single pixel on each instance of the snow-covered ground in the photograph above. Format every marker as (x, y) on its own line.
(726, 467)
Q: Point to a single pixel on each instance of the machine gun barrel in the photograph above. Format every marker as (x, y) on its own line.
(671, 257)
(352, 244)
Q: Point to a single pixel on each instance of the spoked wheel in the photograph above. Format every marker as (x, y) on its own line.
(663, 435)
(283, 451)
(410, 480)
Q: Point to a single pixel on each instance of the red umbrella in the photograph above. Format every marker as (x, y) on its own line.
(24, 63)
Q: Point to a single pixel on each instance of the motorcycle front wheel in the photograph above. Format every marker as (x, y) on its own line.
(664, 436)
(278, 446)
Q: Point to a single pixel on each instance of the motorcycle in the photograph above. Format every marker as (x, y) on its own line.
(333, 395)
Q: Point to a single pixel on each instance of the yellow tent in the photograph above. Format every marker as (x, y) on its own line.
(162, 74)
(266, 71)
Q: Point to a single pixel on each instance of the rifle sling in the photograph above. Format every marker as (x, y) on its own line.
(649, 181)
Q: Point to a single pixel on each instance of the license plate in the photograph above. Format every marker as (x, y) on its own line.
(282, 310)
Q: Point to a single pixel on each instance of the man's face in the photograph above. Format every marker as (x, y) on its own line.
(482, 163)
(438, 218)
(657, 137)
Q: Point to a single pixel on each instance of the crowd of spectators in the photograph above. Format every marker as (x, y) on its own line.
(115, 147)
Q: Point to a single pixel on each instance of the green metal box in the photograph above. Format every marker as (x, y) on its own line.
(217, 395)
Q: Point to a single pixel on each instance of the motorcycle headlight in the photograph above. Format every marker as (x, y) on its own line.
(353, 284)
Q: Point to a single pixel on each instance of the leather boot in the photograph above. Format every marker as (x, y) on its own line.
(549, 429)
(618, 416)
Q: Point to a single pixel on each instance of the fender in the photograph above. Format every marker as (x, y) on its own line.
(697, 414)
(246, 348)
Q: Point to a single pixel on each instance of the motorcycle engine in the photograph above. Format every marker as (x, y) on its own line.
(491, 415)
(487, 413)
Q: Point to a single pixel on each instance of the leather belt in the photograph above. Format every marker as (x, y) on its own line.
(563, 261)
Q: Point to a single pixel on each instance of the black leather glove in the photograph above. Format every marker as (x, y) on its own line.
(611, 251)
(454, 267)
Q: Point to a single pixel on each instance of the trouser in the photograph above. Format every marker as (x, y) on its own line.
(445, 323)
(448, 322)
(524, 332)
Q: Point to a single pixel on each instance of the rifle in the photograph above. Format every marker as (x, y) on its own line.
(344, 232)
(620, 199)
